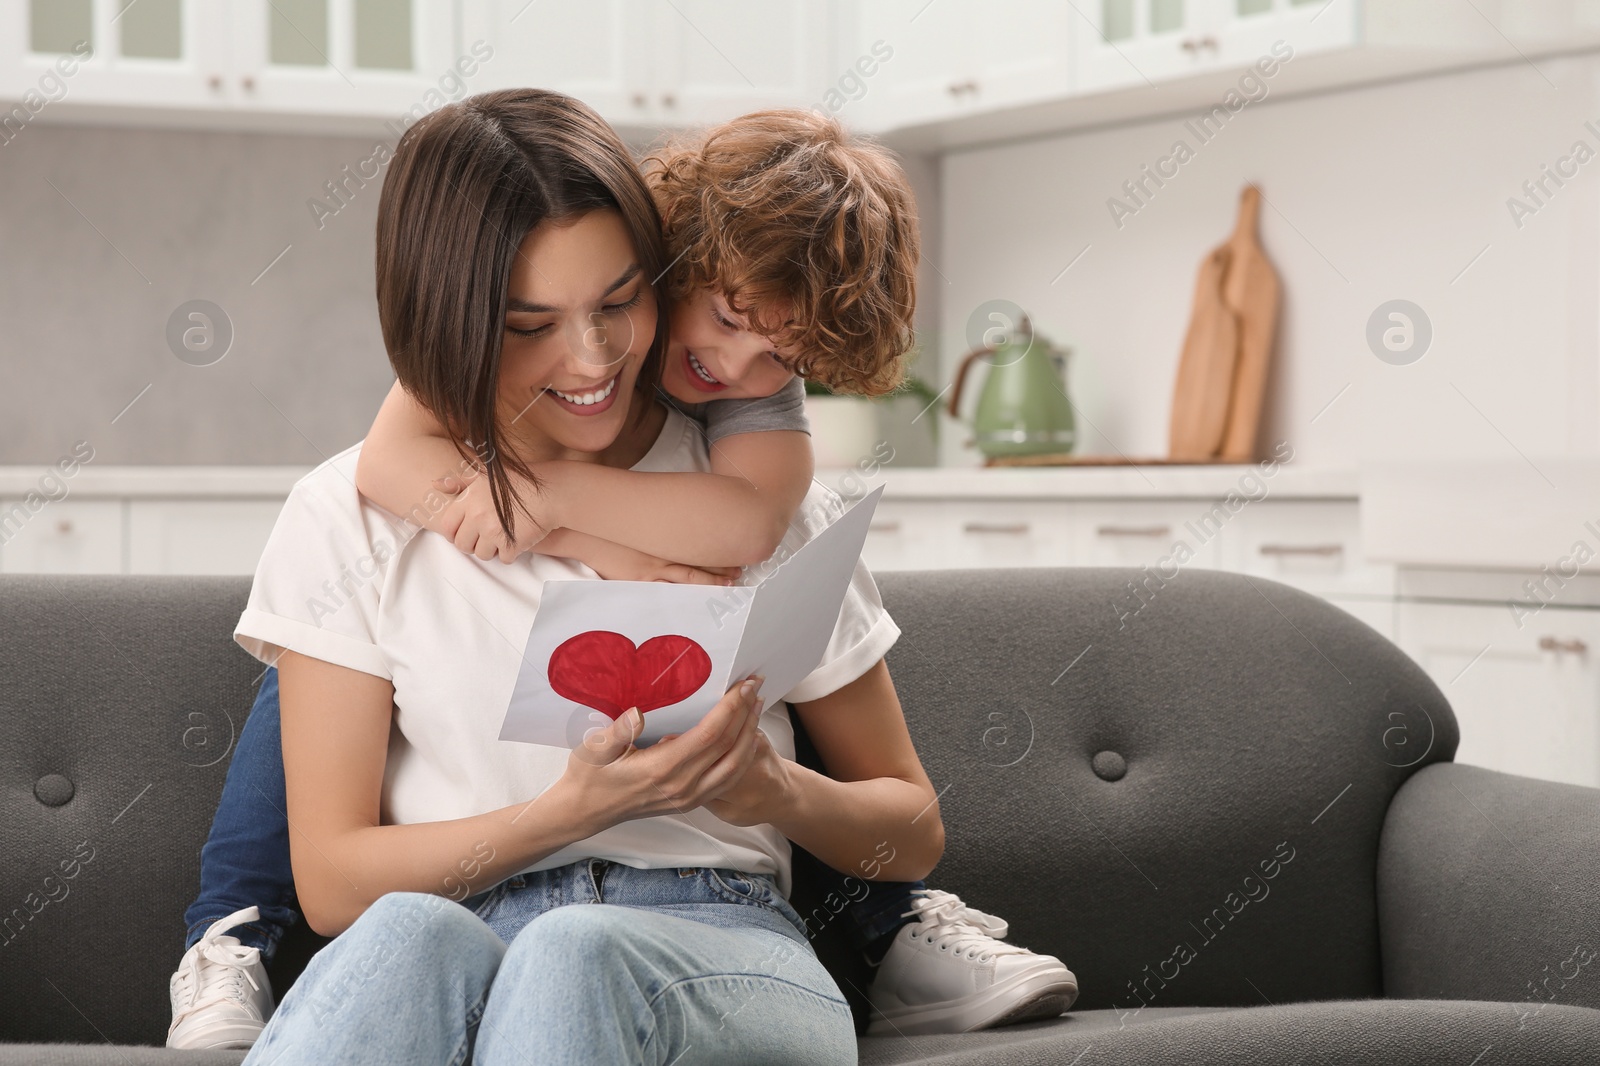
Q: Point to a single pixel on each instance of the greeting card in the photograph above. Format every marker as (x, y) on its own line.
(598, 648)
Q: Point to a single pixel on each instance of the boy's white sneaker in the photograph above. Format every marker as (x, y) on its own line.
(949, 971)
(221, 997)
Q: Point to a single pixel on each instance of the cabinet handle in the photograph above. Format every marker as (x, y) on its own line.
(669, 100)
(1302, 549)
(884, 527)
(64, 526)
(640, 99)
(249, 83)
(995, 527)
(956, 88)
(1209, 42)
(1575, 646)
(1189, 44)
(214, 83)
(1134, 531)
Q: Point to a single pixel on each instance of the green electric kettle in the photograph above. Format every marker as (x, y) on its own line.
(1023, 409)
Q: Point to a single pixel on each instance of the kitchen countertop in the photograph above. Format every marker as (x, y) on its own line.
(909, 483)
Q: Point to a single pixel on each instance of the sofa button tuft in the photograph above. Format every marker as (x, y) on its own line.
(1109, 766)
(52, 790)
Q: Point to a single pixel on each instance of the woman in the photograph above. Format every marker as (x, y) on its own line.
(517, 247)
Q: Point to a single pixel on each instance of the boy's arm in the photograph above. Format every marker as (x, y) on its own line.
(733, 516)
(618, 562)
(410, 467)
(405, 452)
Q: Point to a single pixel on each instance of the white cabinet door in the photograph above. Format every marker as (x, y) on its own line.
(1311, 544)
(1377, 613)
(1007, 533)
(1123, 43)
(198, 536)
(1248, 31)
(721, 58)
(1133, 42)
(376, 58)
(907, 536)
(69, 537)
(955, 57)
(1143, 533)
(604, 52)
(156, 53)
(1528, 699)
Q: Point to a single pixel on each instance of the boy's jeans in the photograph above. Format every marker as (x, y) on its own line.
(245, 862)
(589, 962)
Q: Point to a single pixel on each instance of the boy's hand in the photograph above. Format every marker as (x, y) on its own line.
(471, 522)
(620, 563)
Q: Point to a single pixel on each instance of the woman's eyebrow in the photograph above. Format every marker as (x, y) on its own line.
(514, 304)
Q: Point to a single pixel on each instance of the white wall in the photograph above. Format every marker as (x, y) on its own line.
(1377, 193)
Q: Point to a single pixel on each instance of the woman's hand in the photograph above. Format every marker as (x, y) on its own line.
(471, 522)
(760, 792)
(612, 781)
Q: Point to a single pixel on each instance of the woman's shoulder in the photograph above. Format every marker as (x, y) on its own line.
(326, 499)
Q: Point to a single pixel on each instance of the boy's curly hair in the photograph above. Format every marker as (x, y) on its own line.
(785, 214)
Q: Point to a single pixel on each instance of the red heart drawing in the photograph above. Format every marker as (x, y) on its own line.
(604, 670)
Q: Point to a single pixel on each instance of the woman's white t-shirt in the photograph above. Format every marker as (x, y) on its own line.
(345, 581)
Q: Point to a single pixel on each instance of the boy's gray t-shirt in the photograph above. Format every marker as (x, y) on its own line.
(784, 409)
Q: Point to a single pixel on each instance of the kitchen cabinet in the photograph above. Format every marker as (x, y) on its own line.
(1527, 698)
(1142, 533)
(600, 51)
(198, 536)
(370, 58)
(340, 57)
(65, 537)
(1140, 42)
(1311, 544)
(651, 64)
(957, 57)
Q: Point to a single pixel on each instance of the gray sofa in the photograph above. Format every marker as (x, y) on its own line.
(1233, 813)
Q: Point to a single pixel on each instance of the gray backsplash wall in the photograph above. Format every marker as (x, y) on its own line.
(105, 232)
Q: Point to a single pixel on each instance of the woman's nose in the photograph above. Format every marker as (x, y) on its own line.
(598, 343)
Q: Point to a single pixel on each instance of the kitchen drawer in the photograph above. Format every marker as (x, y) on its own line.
(1377, 613)
(1139, 534)
(198, 536)
(905, 536)
(1527, 696)
(946, 535)
(1310, 544)
(69, 537)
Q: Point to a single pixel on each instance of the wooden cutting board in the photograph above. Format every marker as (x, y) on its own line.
(1204, 392)
(1252, 292)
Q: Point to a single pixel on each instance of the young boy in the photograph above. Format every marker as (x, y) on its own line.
(796, 248)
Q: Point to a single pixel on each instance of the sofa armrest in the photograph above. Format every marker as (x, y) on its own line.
(1489, 889)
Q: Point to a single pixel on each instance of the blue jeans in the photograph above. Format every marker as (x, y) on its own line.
(589, 962)
(245, 861)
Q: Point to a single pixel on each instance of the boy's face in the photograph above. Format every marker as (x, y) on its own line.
(713, 355)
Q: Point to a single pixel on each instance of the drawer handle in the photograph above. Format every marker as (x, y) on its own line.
(884, 527)
(1134, 531)
(1575, 645)
(1302, 549)
(64, 526)
(995, 527)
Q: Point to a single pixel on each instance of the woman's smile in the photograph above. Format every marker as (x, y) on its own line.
(591, 401)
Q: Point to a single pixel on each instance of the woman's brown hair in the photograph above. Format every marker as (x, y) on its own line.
(466, 185)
